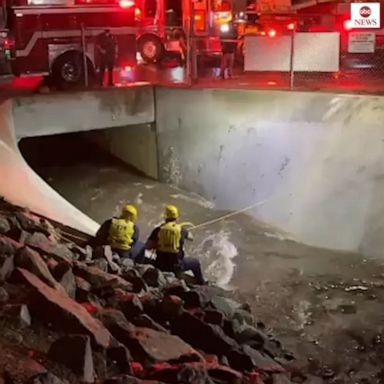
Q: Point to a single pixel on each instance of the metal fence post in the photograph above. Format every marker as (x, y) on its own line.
(85, 62)
(291, 60)
(188, 57)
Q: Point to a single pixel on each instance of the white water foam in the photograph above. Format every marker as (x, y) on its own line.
(194, 198)
(217, 252)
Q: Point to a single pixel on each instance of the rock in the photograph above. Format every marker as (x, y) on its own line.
(122, 379)
(105, 252)
(47, 378)
(209, 338)
(83, 284)
(192, 299)
(120, 356)
(147, 322)
(27, 368)
(8, 246)
(4, 225)
(214, 317)
(64, 275)
(153, 277)
(100, 279)
(83, 289)
(193, 373)
(30, 260)
(224, 374)
(131, 305)
(40, 242)
(74, 351)
(55, 307)
(6, 266)
(138, 284)
(127, 264)
(247, 358)
(19, 313)
(4, 296)
(52, 264)
(83, 254)
(244, 317)
(252, 337)
(171, 307)
(143, 343)
(101, 264)
(225, 305)
(32, 223)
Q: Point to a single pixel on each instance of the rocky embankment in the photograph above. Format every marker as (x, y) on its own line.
(71, 313)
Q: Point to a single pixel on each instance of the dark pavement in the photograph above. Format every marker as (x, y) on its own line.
(352, 81)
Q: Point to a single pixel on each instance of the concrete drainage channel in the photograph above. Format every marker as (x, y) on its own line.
(304, 154)
(313, 160)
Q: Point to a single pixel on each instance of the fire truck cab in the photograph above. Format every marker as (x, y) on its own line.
(160, 20)
(59, 37)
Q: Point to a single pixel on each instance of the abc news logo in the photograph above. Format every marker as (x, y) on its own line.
(367, 16)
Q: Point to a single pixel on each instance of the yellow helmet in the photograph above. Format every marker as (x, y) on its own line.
(130, 211)
(171, 212)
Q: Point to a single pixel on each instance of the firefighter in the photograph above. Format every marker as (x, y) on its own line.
(168, 241)
(122, 234)
(228, 38)
(107, 48)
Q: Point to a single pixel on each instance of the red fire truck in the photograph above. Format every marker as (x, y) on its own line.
(158, 19)
(58, 37)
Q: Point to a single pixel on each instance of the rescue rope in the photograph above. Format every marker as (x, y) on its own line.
(226, 216)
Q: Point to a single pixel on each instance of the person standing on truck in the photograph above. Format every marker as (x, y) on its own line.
(168, 241)
(107, 48)
(228, 39)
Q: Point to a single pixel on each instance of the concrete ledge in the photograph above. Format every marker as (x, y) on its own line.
(42, 115)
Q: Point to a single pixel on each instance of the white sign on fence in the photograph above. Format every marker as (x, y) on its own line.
(361, 42)
(365, 15)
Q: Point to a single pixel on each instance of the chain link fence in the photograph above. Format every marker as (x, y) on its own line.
(310, 52)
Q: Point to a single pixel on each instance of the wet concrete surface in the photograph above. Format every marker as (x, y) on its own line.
(348, 81)
(324, 305)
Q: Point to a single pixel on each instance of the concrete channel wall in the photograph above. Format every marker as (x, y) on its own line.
(41, 115)
(315, 161)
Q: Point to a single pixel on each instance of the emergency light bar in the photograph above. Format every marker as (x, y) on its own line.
(126, 3)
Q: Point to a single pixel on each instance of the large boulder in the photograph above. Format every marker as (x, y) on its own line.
(74, 351)
(100, 279)
(42, 243)
(147, 345)
(210, 338)
(30, 260)
(59, 310)
(64, 275)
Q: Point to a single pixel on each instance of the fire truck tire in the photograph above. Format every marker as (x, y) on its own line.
(150, 48)
(68, 71)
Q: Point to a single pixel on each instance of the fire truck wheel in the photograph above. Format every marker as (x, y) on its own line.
(67, 70)
(150, 48)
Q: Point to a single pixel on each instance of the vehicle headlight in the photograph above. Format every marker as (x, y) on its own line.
(224, 28)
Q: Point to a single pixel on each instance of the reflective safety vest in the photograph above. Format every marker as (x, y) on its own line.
(169, 238)
(121, 234)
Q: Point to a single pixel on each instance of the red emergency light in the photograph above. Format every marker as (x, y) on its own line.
(348, 25)
(291, 26)
(138, 14)
(126, 3)
(272, 33)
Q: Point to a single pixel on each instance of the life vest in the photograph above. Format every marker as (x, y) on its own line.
(121, 234)
(169, 238)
